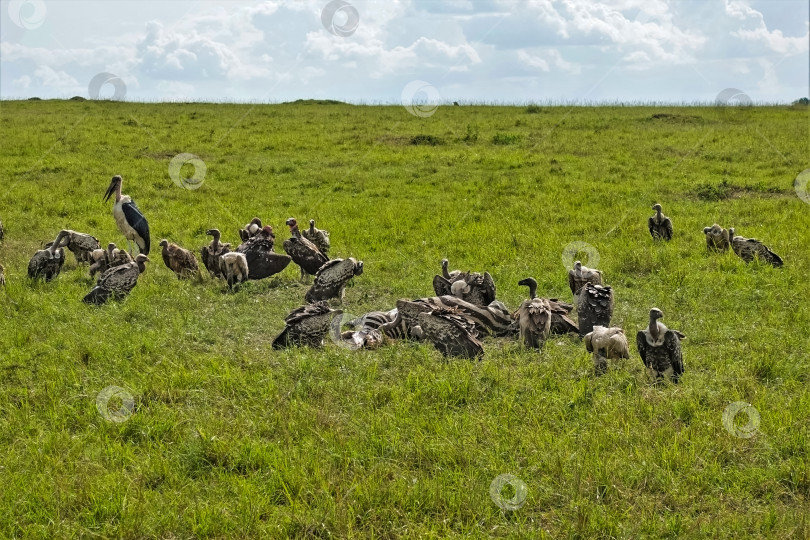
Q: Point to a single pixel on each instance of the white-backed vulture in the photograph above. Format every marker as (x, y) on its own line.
(234, 268)
(579, 275)
(117, 282)
(331, 279)
(81, 245)
(250, 230)
(179, 260)
(47, 263)
(605, 344)
(750, 248)
(451, 333)
(306, 326)
(211, 253)
(660, 349)
(595, 307)
(303, 252)
(533, 317)
(717, 238)
(660, 225)
(261, 259)
(319, 237)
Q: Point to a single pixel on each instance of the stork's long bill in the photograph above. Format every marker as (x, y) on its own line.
(115, 187)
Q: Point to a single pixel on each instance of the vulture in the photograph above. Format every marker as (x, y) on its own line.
(749, 248)
(717, 238)
(472, 287)
(595, 307)
(211, 253)
(451, 333)
(660, 349)
(47, 263)
(319, 237)
(660, 225)
(533, 317)
(606, 343)
(446, 274)
(303, 252)
(408, 312)
(82, 245)
(403, 321)
(180, 261)
(128, 217)
(262, 261)
(102, 260)
(234, 268)
(251, 229)
(117, 282)
(2, 275)
(579, 275)
(561, 323)
(494, 318)
(331, 279)
(306, 325)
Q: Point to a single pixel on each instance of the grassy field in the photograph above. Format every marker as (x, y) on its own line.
(230, 439)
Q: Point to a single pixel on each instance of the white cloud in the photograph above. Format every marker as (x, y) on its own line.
(533, 61)
(775, 40)
(492, 49)
(549, 56)
(46, 76)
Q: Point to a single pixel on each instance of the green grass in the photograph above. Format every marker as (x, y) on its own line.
(229, 438)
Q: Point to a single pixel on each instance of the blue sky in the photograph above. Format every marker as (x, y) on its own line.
(360, 51)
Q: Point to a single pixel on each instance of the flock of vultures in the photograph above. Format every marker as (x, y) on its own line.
(464, 309)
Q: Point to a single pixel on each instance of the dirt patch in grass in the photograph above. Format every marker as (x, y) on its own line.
(429, 140)
(316, 102)
(677, 118)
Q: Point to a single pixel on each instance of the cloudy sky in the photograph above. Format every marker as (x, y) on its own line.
(367, 51)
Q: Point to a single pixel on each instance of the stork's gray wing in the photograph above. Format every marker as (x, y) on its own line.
(138, 222)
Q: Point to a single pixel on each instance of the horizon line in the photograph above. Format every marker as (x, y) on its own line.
(447, 103)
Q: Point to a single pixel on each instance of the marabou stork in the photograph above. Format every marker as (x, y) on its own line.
(128, 217)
